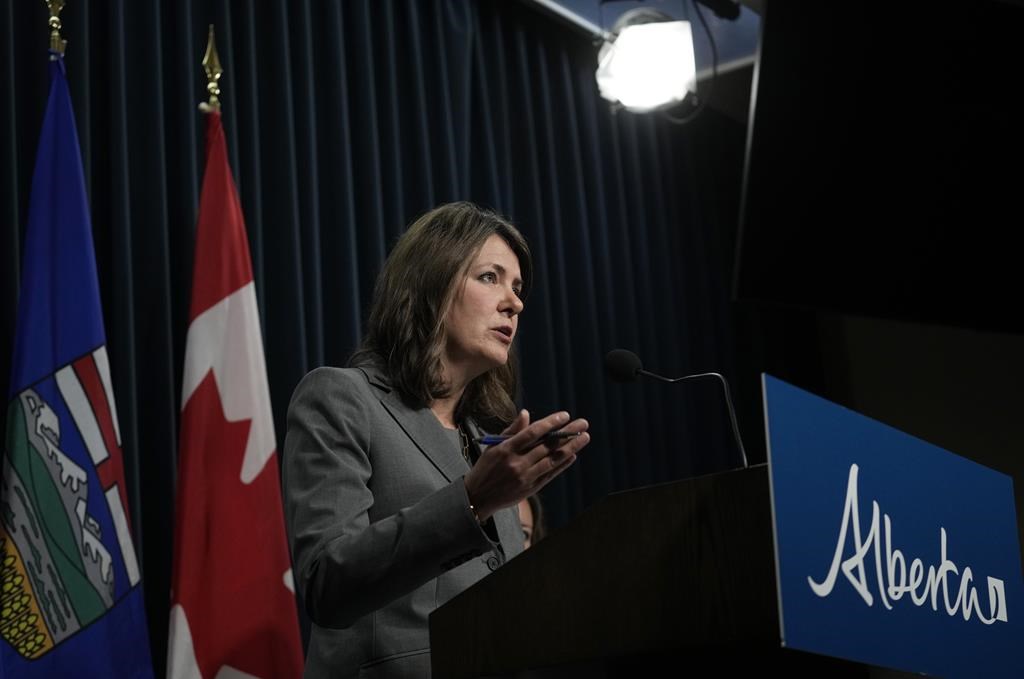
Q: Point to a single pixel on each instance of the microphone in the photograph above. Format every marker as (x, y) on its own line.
(623, 365)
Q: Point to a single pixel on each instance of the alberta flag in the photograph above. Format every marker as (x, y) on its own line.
(70, 602)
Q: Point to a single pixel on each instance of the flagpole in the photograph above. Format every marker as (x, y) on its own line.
(211, 64)
(57, 43)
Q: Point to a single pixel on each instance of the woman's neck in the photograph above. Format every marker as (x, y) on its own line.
(444, 407)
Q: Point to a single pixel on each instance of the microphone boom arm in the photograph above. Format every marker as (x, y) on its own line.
(728, 401)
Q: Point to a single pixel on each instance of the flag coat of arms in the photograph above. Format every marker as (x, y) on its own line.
(233, 610)
(71, 603)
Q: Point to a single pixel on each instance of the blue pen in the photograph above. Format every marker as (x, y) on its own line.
(495, 439)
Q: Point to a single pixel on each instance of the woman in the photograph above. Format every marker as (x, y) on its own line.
(392, 507)
(531, 519)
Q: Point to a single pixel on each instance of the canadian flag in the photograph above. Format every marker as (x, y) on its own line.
(233, 608)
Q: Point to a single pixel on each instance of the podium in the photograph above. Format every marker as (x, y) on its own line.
(656, 581)
(857, 547)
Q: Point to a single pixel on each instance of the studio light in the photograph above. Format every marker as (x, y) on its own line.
(648, 63)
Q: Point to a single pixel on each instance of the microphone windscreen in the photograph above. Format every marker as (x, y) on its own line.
(622, 365)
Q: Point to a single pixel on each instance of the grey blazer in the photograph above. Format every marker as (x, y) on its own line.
(379, 523)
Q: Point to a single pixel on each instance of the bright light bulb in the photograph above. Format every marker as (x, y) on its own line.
(648, 66)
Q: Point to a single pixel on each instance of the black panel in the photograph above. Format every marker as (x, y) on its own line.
(884, 168)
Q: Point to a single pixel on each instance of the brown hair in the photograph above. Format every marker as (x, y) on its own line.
(405, 334)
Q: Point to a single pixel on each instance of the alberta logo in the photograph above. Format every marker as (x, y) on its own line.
(67, 554)
(897, 575)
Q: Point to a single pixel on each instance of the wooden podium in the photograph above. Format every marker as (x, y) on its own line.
(664, 580)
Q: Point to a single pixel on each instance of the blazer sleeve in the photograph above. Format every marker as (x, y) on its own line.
(347, 567)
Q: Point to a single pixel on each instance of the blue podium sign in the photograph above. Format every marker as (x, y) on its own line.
(889, 550)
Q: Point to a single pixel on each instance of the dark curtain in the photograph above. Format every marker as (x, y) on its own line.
(345, 120)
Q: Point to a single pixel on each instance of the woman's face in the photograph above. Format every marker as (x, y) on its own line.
(526, 521)
(484, 315)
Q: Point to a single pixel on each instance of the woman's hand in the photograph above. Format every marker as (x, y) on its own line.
(524, 463)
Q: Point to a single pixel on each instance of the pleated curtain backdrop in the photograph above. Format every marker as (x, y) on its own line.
(345, 121)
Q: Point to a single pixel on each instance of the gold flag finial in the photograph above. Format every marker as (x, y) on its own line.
(57, 43)
(211, 64)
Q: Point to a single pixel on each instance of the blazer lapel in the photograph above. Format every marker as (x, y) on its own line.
(423, 429)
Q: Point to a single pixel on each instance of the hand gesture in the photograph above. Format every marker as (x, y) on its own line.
(524, 463)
